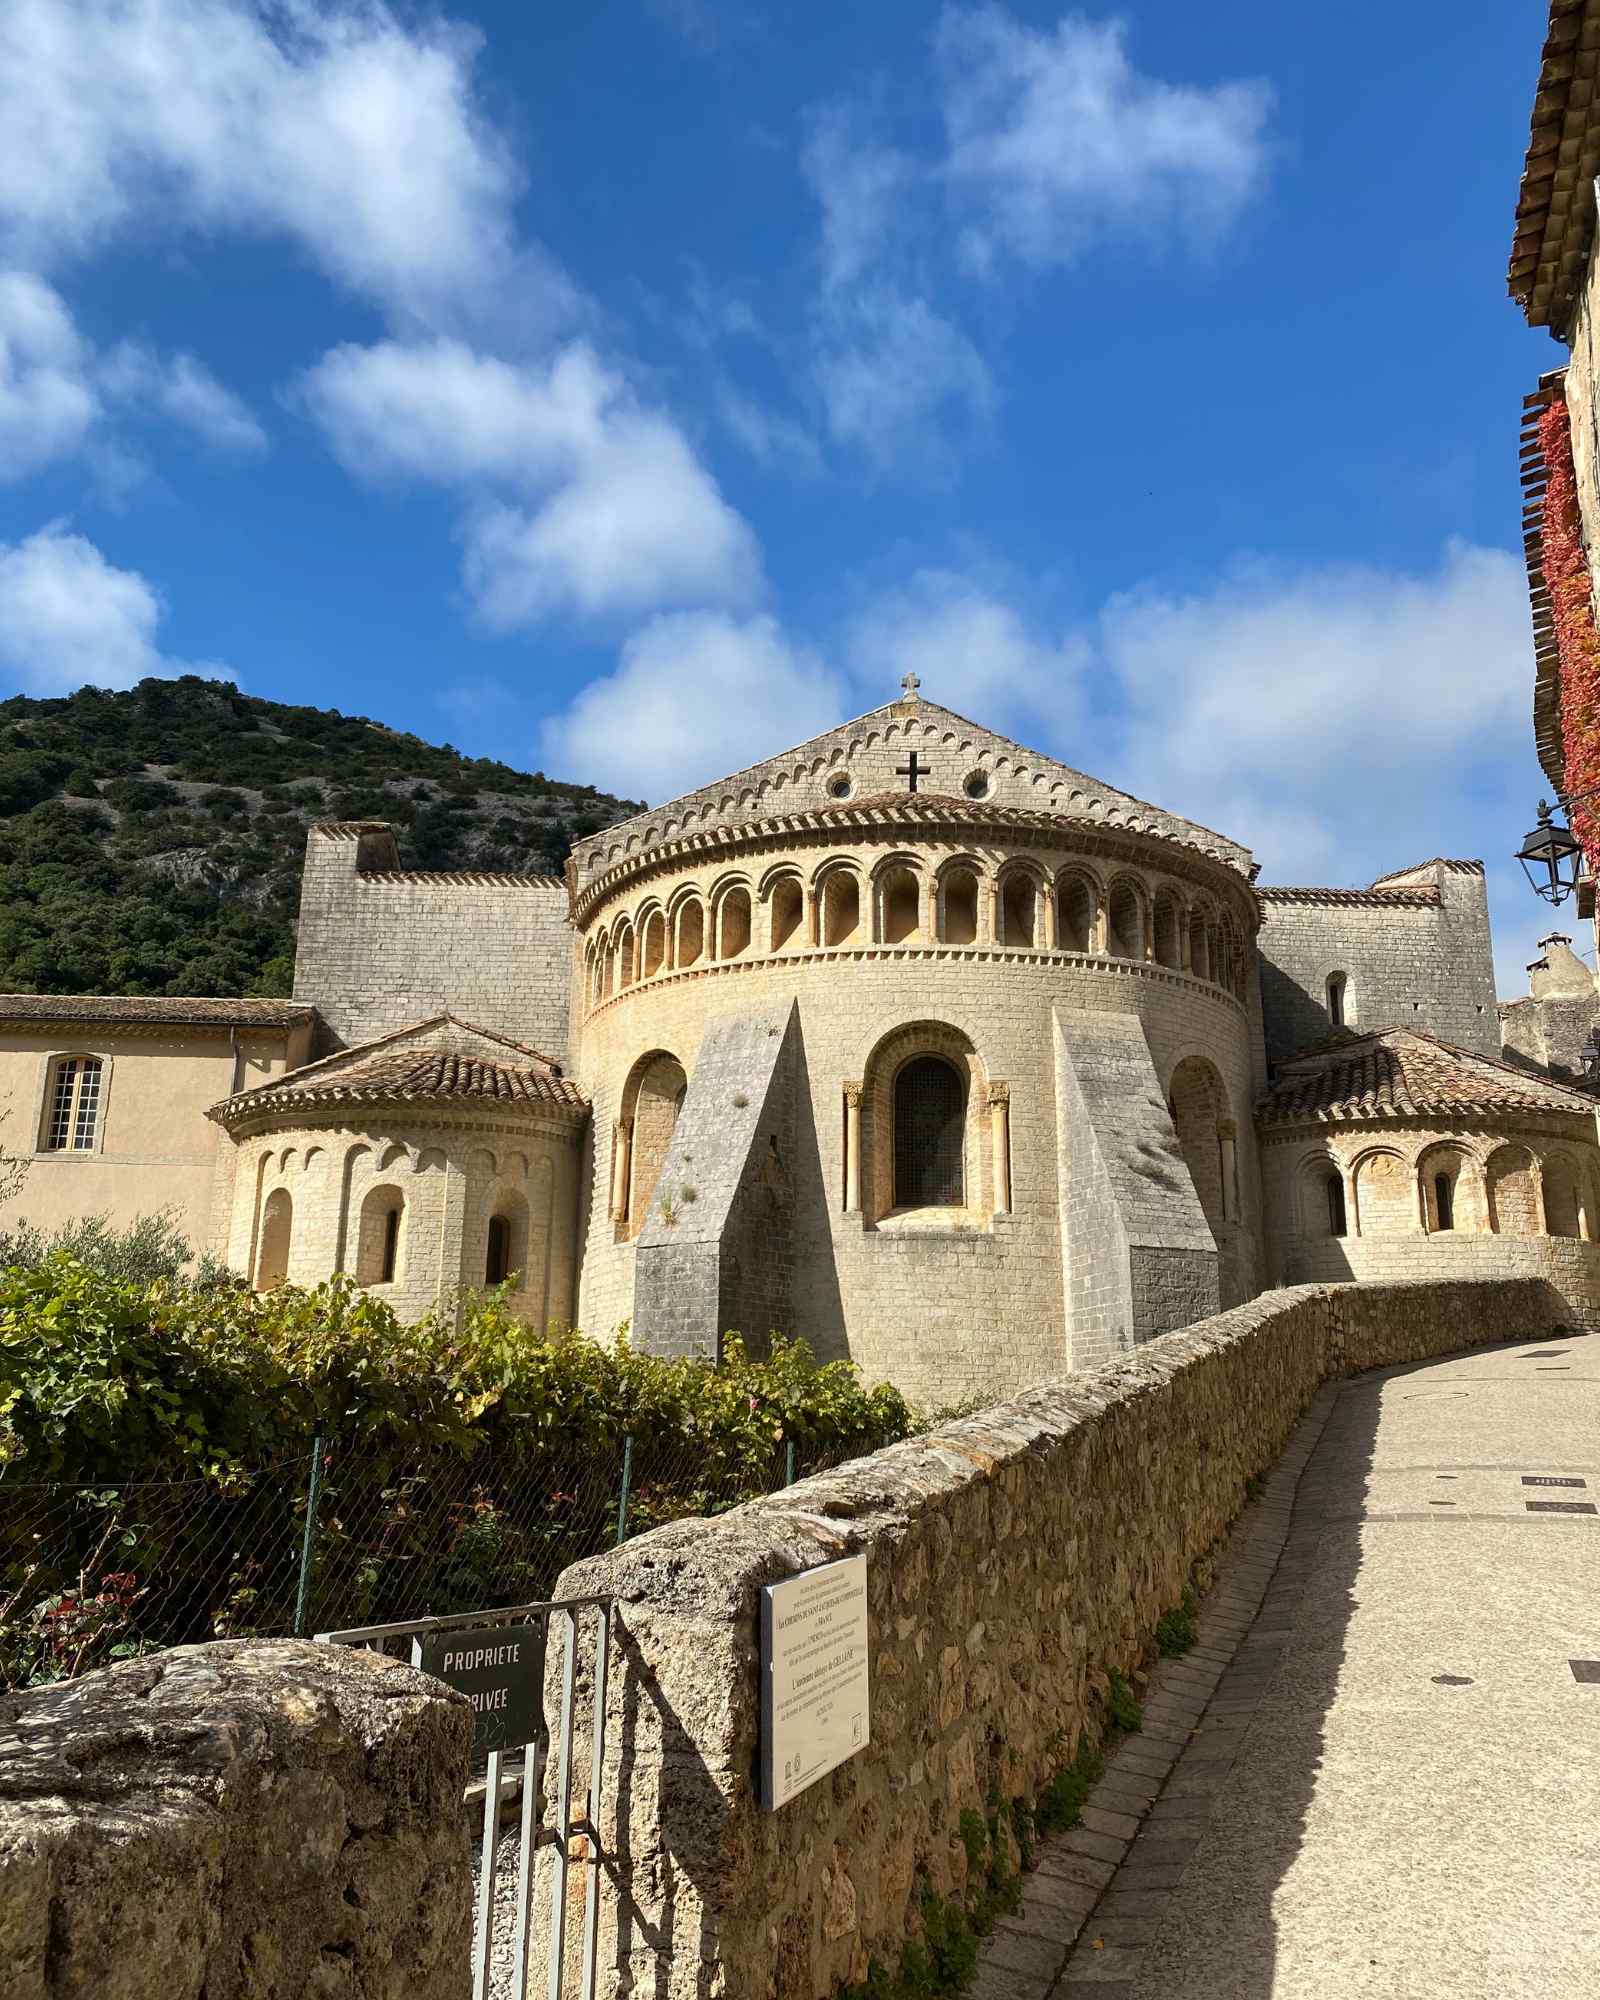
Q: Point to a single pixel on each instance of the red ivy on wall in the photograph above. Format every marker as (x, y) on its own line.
(1566, 578)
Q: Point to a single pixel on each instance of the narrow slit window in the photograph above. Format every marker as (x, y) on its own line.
(497, 1264)
(1444, 1200)
(391, 1245)
(1336, 999)
(1336, 1218)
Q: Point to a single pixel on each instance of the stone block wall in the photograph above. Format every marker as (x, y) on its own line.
(380, 948)
(236, 1821)
(1421, 959)
(1139, 1256)
(944, 1313)
(1013, 1558)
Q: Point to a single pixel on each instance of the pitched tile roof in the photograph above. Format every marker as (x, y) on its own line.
(440, 1060)
(114, 1011)
(1404, 1073)
(1555, 201)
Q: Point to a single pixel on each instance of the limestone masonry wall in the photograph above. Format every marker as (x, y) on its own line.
(379, 949)
(1406, 964)
(1012, 1559)
(236, 1821)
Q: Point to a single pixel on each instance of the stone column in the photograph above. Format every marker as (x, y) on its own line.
(811, 914)
(621, 1167)
(1045, 916)
(1000, 1133)
(1099, 930)
(1186, 946)
(989, 912)
(1228, 1140)
(930, 910)
(852, 1148)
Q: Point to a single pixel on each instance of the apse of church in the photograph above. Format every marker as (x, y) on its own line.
(911, 1042)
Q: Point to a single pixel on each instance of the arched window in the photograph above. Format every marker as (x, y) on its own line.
(72, 1105)
(1336, 985)
(497, 1258)
(272, 1255)
(625, 958)
(1336, 1216)
(1017, 912)
(1075, 915)
(788, 907)
(929, 1132)
(959, 907)
(651, 1105)
(378, 1245)
(733, 924)
(1164, 926)
(655, 945)
(899, 906)
(841, 908)
(1450, 1192)
(691, 933)
(1444, 1201)
(1125, 923)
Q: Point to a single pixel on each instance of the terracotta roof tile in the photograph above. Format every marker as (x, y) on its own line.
(113, 1011)
(1555, 201)
(1403, 1073)
(1420, 895)
(441, 1060)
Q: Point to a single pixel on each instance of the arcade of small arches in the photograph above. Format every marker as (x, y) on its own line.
(1019, 905)
(1506, 1187)
(371, 1208)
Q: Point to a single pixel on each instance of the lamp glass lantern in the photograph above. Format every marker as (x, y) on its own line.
(1549, 858)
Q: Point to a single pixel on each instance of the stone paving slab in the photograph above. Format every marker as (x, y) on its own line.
(1376, 1774)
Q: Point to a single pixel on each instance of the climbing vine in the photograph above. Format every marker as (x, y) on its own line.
(1566, 576)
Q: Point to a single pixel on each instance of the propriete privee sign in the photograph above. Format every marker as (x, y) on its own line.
(500, 1669)
(815, 1708)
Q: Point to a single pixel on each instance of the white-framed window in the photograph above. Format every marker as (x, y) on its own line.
(74, 1102)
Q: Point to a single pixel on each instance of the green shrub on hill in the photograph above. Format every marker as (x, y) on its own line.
(151, 840)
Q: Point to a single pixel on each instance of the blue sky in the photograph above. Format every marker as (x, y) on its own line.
(630, 390)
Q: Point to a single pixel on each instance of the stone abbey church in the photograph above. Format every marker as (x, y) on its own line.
(910, 1041)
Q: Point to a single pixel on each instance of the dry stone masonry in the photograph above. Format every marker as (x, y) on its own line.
(233, 1822)
(1013, 1559)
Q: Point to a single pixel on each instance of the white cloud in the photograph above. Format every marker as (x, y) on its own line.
(974, 652)
(577, 495)
(47, 403)
(696, 696)
(330, 122)
(1056, 140)
(1343, 721)
(182, 388)
(69, 618)
(889, 366)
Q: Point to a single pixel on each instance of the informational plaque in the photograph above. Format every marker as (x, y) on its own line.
(814, 1701)
(500, 1669)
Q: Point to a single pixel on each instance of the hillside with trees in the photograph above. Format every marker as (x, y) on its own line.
(151, 841)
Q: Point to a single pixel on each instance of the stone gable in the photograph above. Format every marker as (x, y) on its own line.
(864, 758)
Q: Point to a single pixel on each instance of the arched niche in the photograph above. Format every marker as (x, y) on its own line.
(1513, 1187)
(275, 1242)
(651, 1100)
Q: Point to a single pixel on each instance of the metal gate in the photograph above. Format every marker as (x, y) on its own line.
(545, 1824)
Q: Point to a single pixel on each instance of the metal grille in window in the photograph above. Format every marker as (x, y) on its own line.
(929, 1127)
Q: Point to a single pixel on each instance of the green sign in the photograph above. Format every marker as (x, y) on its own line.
(500, 1669)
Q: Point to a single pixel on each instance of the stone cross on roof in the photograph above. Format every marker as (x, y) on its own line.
(910, 683)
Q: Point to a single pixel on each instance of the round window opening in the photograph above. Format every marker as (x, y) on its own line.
(839, 785)
(976, 785)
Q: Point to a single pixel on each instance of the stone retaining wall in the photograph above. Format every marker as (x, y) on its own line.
(1013, 1558)
(247, 1819)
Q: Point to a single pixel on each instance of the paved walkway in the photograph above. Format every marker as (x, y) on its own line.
(1378, 1773)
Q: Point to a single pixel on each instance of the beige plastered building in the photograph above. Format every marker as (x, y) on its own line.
(910, 1041)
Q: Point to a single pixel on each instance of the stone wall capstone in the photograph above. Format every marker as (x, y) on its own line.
(1013, 1558)
(240, 1819)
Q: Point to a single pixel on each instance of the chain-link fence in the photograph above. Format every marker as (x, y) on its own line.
(324, 1537)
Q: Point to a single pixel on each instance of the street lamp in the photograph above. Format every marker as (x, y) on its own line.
(1551, 853)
